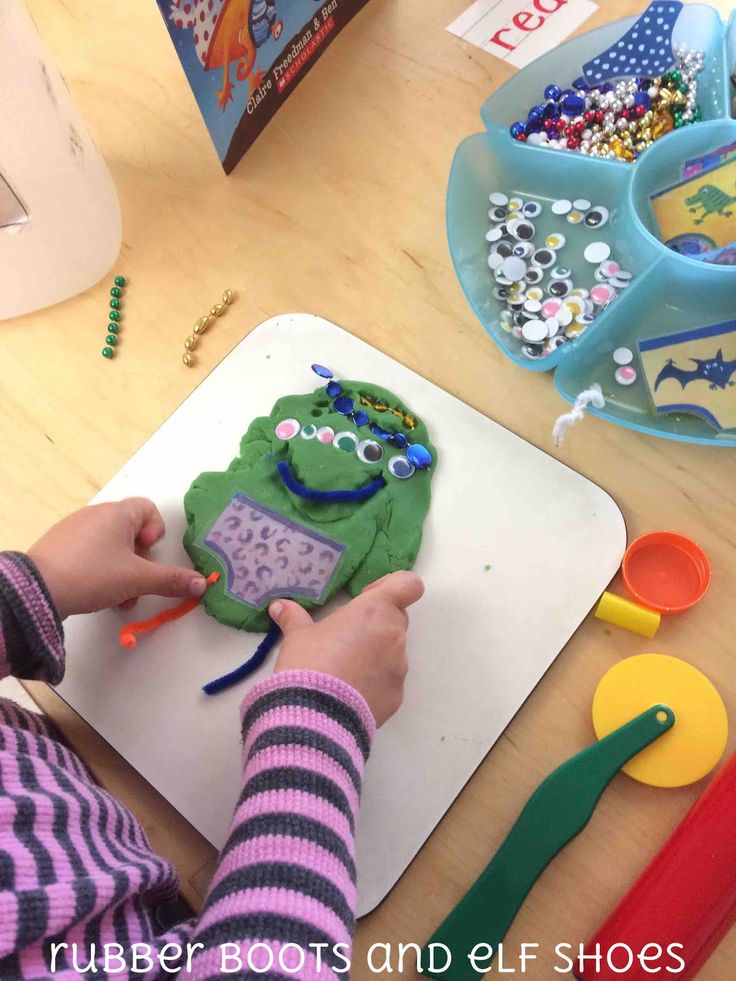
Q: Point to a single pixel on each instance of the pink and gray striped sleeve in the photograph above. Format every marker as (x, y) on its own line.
(78, 875)
(31, 635)
(285, 884)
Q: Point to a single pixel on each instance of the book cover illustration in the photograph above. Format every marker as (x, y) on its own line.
(244, 58)
(692, 371)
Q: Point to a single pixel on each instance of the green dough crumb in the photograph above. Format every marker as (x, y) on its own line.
(487, 568)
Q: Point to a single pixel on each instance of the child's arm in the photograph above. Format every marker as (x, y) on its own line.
(95, 558)
(286, 875)
(31, 635)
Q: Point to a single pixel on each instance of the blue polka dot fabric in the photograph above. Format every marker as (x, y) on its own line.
(645, 50)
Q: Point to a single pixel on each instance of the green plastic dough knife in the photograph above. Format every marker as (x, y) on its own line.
(557, 811)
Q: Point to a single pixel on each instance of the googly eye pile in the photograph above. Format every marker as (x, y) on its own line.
(400, 465)
(543, 306)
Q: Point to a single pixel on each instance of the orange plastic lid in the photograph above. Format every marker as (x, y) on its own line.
(666, 571)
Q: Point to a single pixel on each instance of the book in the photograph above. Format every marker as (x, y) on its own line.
(244, 58)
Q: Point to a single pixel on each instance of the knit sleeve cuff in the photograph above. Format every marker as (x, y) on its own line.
(312, 690)
(31, 634)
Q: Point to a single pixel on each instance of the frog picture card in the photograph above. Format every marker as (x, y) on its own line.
(698, 216)
(693, 371)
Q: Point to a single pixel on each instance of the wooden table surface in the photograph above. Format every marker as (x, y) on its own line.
(338, 209)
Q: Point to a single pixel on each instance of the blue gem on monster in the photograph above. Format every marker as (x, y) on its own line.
(344, 405)
(319, 369)
(419, 456)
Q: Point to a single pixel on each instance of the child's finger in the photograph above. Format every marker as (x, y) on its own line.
(145, 516)
(288, 615)
(148, 536)
(400, 588)
(154, 579)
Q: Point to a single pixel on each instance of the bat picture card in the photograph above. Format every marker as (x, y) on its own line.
(692, 371)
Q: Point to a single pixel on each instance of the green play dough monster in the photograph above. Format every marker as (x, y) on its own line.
(267, 540)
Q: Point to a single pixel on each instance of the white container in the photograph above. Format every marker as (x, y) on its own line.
(60, 228)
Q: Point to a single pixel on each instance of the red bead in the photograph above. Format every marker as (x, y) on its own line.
(626, 113)
(589, 116)
(639, 111)
(579, 126)
(521, 137)
(561, 125)
(599, 115)
(573, 143)
(549, 125)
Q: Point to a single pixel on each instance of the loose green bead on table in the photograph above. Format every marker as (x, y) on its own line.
(120, 280)
(107, 352)
(111, 339)
(116, 292)
(114, 315)
(113, 328)
(115, 304)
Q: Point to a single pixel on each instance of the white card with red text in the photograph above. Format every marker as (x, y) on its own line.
(519, 31)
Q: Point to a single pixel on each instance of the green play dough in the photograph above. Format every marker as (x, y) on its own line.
(377, 536)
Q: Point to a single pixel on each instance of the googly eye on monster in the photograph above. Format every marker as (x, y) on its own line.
(328, 492)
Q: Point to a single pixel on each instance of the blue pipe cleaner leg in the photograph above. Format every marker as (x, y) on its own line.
(252, 664)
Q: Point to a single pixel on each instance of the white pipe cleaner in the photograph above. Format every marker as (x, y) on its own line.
(590, 396)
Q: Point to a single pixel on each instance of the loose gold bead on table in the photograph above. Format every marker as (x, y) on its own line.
(202, 324)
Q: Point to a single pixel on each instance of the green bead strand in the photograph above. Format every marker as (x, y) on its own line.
(111, 339)
(114, 315)
(113, 328)
(116, 292)
(115, 304)
(120, 280)
(107, 352)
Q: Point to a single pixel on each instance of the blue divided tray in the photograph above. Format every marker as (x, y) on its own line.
(669, 292)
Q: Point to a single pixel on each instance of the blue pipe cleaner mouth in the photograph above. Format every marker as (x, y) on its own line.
(359, 494)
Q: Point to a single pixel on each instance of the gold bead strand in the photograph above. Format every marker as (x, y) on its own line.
(201, 326)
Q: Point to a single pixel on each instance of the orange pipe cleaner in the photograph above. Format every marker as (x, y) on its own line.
(129, 630)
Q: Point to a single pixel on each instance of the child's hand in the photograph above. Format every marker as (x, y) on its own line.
(96, 558)
(364, 643)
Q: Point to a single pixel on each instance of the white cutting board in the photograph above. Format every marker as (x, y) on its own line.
(479, 641)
